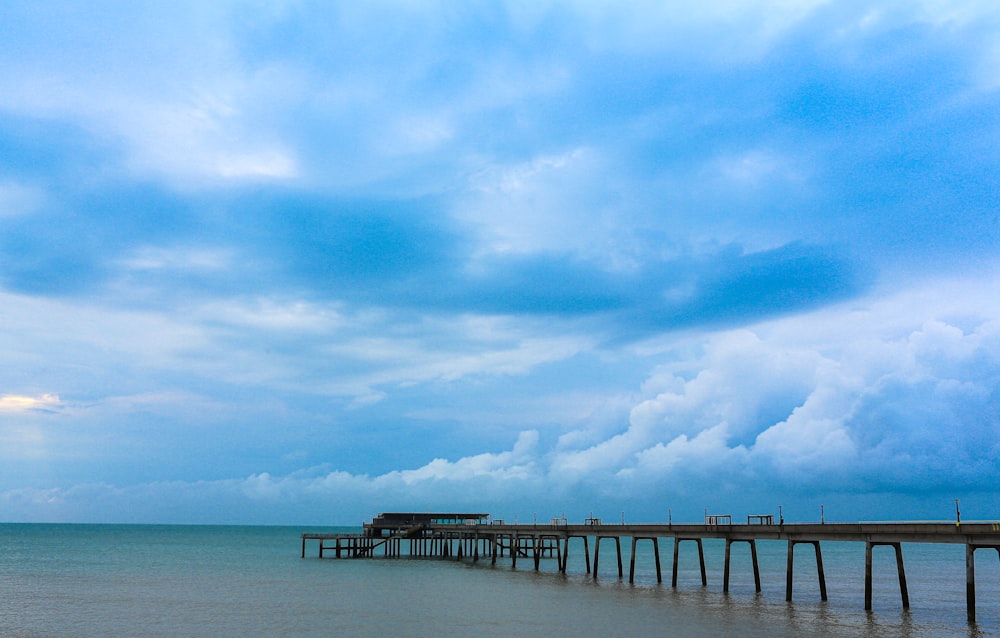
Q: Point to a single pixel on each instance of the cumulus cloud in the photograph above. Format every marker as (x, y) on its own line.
(907, 407)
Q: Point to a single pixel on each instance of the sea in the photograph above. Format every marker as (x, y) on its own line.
(178, 580)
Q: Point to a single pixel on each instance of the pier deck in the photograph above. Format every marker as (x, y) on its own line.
(474, 537)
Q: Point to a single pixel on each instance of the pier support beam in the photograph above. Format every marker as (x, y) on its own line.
(618, 548)
(900, 570)
(701, 560)
(550, 543)
(656, 557)
(819, 569)
(970, 581)
(565, 553)
(970, 577)
(753, 556)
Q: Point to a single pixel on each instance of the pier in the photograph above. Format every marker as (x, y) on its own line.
(476, 537)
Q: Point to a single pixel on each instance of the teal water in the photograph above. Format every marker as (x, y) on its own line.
(119, 580)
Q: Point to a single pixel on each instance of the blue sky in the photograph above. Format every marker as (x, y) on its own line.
(294, 262)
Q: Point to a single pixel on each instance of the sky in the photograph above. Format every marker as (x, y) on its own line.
(303, 262)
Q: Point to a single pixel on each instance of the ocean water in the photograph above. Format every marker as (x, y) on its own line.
(121, 580)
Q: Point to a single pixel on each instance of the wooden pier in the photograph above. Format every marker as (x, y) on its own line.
(475, 537)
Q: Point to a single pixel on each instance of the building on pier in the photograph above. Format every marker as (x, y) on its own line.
(389, 523)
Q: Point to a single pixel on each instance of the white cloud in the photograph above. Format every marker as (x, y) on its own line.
(180, 259)
(576, 202)
(518, 464)
(169, 87)
(795, 402)
(19, 199)
(22, 403)
(759, 168)
(710, 28)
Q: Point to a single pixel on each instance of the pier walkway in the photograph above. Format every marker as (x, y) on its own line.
(475, 537)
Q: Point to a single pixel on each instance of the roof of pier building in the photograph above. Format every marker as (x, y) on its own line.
(390, 519)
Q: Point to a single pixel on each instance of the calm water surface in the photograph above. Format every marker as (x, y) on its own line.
(111, 580)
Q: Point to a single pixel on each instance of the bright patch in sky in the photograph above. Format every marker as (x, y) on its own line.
(311, 261)
(15, 403)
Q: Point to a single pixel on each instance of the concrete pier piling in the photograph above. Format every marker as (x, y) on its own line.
(753, 557)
